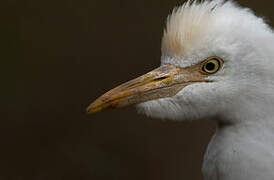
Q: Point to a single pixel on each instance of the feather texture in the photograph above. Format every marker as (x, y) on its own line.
(240, 97)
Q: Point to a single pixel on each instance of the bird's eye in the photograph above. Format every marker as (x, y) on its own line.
(211, 65)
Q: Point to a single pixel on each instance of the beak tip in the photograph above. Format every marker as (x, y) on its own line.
(88, 111)
(91, 109)
(95, 108)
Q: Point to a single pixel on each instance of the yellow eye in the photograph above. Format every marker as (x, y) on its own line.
(211, 65)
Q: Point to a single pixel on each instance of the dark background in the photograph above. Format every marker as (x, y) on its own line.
(56, 58)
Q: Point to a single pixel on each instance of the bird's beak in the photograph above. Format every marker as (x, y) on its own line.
(163, 82)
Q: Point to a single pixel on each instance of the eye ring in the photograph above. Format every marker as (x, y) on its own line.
(211, 65)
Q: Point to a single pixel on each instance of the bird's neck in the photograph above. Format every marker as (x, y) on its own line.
(257, 110)
(243, 144)
(251, 121)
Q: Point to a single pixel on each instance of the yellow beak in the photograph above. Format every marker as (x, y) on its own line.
(163, 82)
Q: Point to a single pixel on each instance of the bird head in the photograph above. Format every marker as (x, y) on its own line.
(216, 59)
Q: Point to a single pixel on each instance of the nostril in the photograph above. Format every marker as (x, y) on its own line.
(161, 78)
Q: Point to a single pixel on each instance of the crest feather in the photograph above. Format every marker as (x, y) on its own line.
(186, 25)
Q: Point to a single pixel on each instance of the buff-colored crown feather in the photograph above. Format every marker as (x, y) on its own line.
(187, 25)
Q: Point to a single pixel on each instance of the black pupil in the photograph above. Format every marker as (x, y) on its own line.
(210, 66)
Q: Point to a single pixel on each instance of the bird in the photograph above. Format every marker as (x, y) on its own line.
(217, 62)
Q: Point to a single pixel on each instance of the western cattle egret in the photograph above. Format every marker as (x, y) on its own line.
(217, 62)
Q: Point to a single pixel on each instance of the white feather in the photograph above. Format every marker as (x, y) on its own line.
(241, 98)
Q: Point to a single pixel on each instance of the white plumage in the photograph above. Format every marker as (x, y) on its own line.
(237, 91)
(241, 97)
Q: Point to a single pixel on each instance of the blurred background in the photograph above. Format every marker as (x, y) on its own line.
(59, 56)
